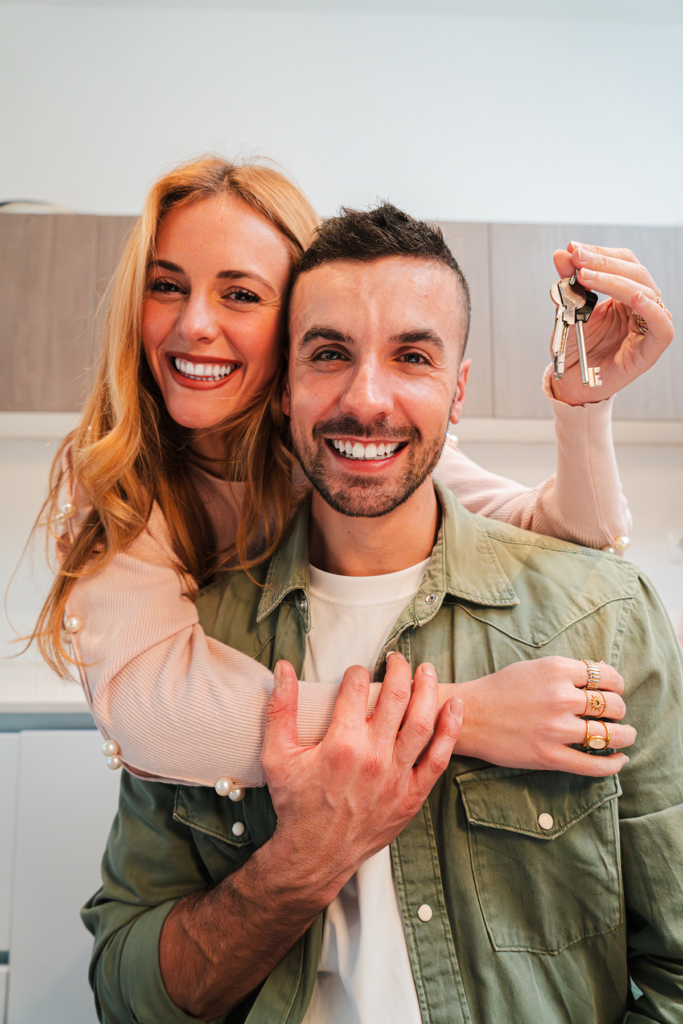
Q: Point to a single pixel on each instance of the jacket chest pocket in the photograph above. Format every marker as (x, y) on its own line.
(544, 848)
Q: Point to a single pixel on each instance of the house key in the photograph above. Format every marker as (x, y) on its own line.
(574, 307)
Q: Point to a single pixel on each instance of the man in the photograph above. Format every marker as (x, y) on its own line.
(506, 895)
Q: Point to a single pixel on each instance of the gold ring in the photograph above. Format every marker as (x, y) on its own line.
(593, 674)
(594, 741)
(641, 323)
(596, 703)
(660, 303)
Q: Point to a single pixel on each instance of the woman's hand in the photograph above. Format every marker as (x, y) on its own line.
(613, 341)
(527, 715)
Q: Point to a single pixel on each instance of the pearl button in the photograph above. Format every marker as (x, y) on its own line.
(68, 510)
(110, 748)
(545, 820)
(236, 794)
(114, 763)
(224, 786)
(303, 604)
(431, 599)
(609, 549)
(72, 624)
(425, 912)
(66, 637)
(239, 828)
(622, 543)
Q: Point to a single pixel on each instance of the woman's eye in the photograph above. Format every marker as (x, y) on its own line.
(163, 286)
(241, 295)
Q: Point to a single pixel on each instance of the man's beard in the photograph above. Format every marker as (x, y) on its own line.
(360, 495)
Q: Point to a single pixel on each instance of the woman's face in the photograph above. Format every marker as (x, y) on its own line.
(212, 322)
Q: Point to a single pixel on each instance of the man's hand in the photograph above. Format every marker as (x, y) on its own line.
(526, 715)
(337, 803)
(345, 799)
(613, 341)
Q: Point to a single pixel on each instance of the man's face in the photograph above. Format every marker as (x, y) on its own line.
(374, 375)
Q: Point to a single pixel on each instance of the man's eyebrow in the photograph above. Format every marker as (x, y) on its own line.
(226, 275)
(415, 337)
(325, 334)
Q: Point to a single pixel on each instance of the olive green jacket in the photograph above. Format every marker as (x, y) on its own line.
(529, 924)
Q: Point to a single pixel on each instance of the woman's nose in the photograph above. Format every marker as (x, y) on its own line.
(197, 323)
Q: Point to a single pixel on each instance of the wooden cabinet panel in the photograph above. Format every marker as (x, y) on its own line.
(47, 268)
(522, 314)
(67, 802)
(113, 233)
(469, 245)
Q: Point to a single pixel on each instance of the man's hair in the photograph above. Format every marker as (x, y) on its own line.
(369, 235)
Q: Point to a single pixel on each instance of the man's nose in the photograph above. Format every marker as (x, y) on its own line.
(197, 323)
(367, 395)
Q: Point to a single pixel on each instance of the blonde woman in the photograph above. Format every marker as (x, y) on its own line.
(181, 464)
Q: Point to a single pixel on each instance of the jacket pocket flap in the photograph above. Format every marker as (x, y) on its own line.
(535, 803)
(214, 815)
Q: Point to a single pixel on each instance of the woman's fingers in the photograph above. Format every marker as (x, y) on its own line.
(609, 677)
(586, 259)
(621, 254)
(614, 285)
(586, 764)
(614, 705)
(619, 735)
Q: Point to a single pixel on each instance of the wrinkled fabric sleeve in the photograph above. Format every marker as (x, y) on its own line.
(651, 810)
(149, 865)
(583, 502)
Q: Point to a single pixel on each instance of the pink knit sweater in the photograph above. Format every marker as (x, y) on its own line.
(185, 708)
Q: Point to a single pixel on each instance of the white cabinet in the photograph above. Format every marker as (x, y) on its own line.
(67, 799)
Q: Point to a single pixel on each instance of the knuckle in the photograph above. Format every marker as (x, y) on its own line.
(422, 726)
(439, 762)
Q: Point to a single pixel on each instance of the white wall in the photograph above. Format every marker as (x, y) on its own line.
(456, 118)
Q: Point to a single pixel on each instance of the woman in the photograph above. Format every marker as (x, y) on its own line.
(150, 513)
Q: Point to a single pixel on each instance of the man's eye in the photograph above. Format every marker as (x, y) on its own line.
(241, 295)
(415, 358)
(329, 355)
(163, 286)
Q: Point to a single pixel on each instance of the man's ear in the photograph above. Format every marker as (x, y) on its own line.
(286, 397)
(459, 399)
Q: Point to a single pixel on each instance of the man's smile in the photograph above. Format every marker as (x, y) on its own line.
(360, 451)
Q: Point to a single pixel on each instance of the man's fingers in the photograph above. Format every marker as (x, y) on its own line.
(437, 756)
(351, 708)
(418, 725)
(393, 700)
(281, 729)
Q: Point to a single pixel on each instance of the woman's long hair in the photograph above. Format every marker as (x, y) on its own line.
(127, 451)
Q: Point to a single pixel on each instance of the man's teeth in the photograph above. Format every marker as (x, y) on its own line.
(365, 451)
(203, 371)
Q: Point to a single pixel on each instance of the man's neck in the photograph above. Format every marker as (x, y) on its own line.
(373, 547)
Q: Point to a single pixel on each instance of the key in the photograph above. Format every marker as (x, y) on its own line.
(574, 307)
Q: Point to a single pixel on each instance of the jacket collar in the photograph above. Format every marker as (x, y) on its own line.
(463, 564)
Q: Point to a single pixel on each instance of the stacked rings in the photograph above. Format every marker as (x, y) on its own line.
(593, 674)
(594, 740)
(596, 703)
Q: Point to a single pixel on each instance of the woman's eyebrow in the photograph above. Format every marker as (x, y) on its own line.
(225, 275)
(166, 265)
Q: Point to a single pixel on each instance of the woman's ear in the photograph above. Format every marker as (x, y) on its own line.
(459, 398)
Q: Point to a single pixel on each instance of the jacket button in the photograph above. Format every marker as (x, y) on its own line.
(239, 828)
(224, 786)
(545, 820)
(622, 543)
(72, 624)
(424, 912)
(431, 599)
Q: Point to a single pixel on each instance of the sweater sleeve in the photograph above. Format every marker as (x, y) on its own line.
(583, 502)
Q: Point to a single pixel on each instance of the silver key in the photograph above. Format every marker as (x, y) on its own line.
(574, 307)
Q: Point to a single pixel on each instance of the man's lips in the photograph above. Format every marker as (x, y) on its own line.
(204, 375)
(363, 452)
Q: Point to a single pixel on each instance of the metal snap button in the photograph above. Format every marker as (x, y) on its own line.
(545, 820)
(431, 599)
(425, 912)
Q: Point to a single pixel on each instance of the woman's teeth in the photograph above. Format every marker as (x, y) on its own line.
(365, 451)
(203, 371)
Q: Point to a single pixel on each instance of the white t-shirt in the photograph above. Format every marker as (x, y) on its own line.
(364, 973)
